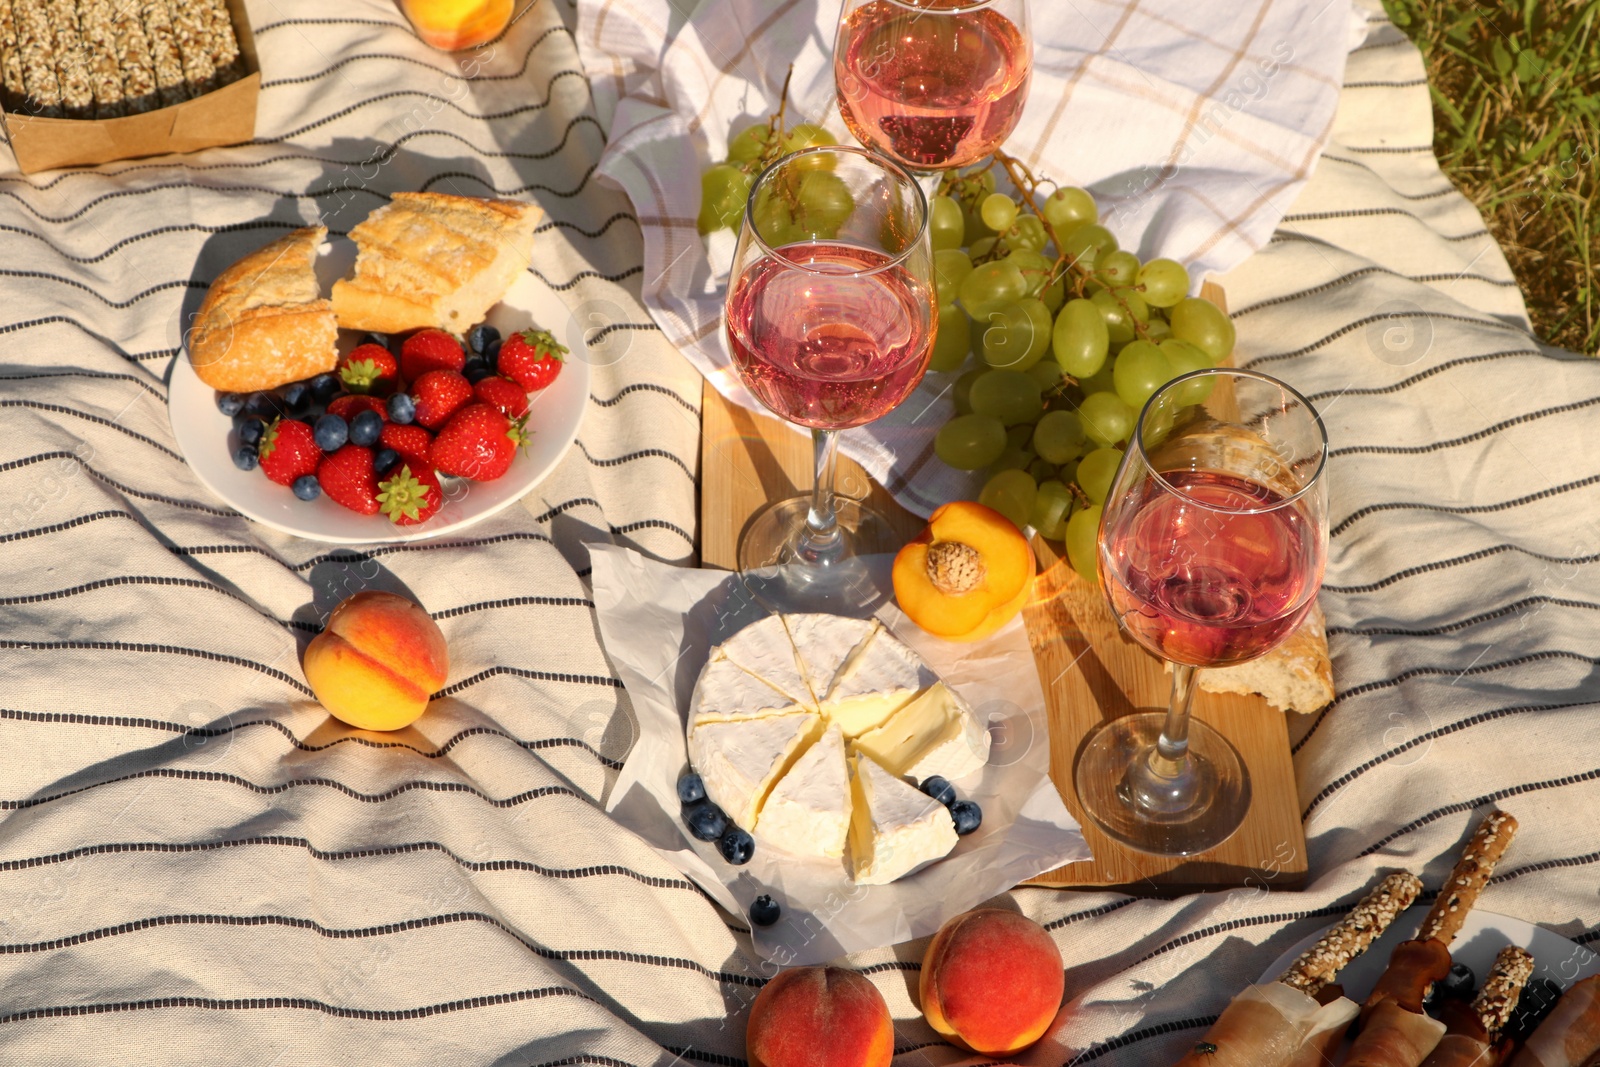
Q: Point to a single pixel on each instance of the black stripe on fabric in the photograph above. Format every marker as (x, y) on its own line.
(643, 453)
(1370, 212)
(352, 557)
(1475, 620)
(618, 531)
(1388, 150)
(1409, 84)
(395, 57)
(524, 672)
(1438, 368)
(1462, 672)
(158, 581)
(58, 527)
(1426, 737)
(1133, 1037)
(562, 287)
(1381, 44)
(305, 1003)
(99, 420)
(421, 785)
(560, 224)
(1246, 923)
(124, 489)
(338, 933)
(171, 650)
(1477, 802)
(564, 194)
(1092, 913)
(1501, 877)
(119, 305)
(1489, 431)
(92, 375)
(615, 326)
(156, 232)
(646, 387)
(1460, 509)
(516, 602)
(689, 1052)
(1434, 195)
(1474, 320)
(192, 187)
(269, 27)
(121, 848)
(1345, 279)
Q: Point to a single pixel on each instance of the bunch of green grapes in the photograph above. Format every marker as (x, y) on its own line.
(1058, 338)
(725, 187)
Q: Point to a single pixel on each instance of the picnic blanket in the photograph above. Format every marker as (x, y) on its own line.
(197, 866)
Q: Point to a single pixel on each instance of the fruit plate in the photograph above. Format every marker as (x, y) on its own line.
(207, 439)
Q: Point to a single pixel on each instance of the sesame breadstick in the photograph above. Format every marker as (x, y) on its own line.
(72, 60)
(1320, 963)
(1502, 989)
(191, 30)
(1460, 890)
(11, 86)
(36, 45)
(224, 42)
(165, 60)
(133, 59)
(99, 37)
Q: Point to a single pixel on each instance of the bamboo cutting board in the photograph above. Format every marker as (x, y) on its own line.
(1089, 671)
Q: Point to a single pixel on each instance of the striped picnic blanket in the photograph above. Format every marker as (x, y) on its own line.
(196, 866)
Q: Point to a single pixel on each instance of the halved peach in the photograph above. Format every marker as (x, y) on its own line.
(967, 574)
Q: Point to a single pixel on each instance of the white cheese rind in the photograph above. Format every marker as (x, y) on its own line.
(878, 679)
(727, 691)
(895, 828)
(763, 648)
(824, 643)
(741, 760)
(808, 812)
(935, 734)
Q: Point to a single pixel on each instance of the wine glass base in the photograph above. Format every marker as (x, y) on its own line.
(848, 577)
(1130, 802)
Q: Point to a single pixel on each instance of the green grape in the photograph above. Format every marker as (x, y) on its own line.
(1011, 493)
(1026, 232)
(950, 268)
(1059, 437)
(1008, 395)
(1068, 208)
(953, 341)
(1048, 374)
(1203, 325)
(981, 247)
(825, 203)
(1012, 459)
(750, 143)
(1083, 543)
(1096, 471)
(1018, 437)
(1080, 339)
(1157, 425)
(946, 228)
(997, 211)
(1141, 368)
(961, 392)
(1052, 503)
(968, 442)
(1087, 244)
(1041, 470)
(991, 287)
(1106, 419)
(1185, 357)
(1165, 282)
(1118, 318)
(723, 192)
(807, 135)
(1054, 295)
(1017, 335)
(1035, 268)
(1157, 329)
(1117, 270)
(1134, 302)
(1101, 381)
(1068, 472)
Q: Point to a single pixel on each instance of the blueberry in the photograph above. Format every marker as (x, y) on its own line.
(967, 815)
(230, 404)
(491, 353)
(477, 373)
(375, 338)
(365, 428)
(764, 911)
(1538, 1001)
(250, 431)
(736, 846)
(264, 405)
(479, 337)
(324, 387)
(306, 487)
(331, 433)
(940, 790)
(385, 460)
(1459, 984)
(245, 457)
(402, 409)
(297, 395)
(704, 820)
(691, 788)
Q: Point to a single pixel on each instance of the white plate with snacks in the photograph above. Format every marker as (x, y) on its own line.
(208, 438)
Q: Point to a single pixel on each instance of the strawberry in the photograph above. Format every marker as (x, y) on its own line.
(348, 407)
(369, 368)
(531, 358)
(438, 395)
(288, 451)
(411, 495)
(430, 350)
(507, 395)
(348, 479)
(478, 443)
(412, 442)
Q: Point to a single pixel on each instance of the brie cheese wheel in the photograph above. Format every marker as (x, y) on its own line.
(808, 812)
(936, 733)
(764, 649)
(878, 679)
(894, 828)
(727, 691)
(741, 760)
(824, 644)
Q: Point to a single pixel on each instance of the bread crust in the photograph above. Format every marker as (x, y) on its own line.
(1295, 676)
(263, 323)
(430, 259)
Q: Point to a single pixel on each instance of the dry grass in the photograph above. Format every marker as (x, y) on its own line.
(1516, 98)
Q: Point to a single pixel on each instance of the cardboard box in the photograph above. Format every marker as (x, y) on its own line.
(224, 116)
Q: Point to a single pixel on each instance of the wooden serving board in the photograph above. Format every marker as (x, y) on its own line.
(1089, 670)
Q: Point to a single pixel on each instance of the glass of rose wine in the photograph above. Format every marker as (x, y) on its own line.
(1212, 547)
(830, 321)
(933, 84)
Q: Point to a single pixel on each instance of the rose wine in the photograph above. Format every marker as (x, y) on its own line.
(829, 347)
(934, 89)
(1211, 583)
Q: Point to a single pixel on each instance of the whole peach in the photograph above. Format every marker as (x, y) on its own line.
(377, 661)
(819, 1017)
(991, 981)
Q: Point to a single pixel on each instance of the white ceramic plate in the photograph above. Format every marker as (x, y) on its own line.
(207, 440)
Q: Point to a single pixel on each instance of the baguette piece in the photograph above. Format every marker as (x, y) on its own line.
(1472, 872)
(428, 259)
(1295, 676)
(264, 323)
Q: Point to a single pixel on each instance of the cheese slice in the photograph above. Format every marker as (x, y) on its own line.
(894, 829)
(808, 812)
(824, 643)
(878, 679)
(726, 692)
(763, 648)
(936, 733)
(740, 761)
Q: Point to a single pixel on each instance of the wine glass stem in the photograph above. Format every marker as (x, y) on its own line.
(1172, 747)
(820, 543)
(1162, 783)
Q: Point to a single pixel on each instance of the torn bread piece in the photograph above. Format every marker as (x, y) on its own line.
(1296, 676)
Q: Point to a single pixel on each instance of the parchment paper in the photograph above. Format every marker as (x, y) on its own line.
(659, 624)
